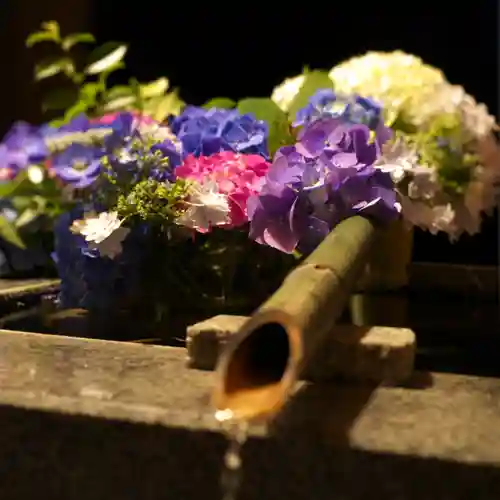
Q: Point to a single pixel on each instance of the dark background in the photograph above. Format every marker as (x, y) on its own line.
(246, 48)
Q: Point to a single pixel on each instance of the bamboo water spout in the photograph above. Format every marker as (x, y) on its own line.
(258, 369)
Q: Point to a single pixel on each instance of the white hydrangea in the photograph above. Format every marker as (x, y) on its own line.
(399, 159)
(395, 79)
(404, 84)
(206, 208)
(284, 94)
(102, 232)
(446, 98)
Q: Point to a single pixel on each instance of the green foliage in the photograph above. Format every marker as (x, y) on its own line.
(71, 40)
(220, 102)
(162, 106)
(106, 58)
(9, 233)
(279, 126)
(49, 32)
(30, 201)
(155, 88)
(84, 88)
(53, 66)
(445, 146)
(59, 99)
(153, 201)
(314, 81)
(401, 123)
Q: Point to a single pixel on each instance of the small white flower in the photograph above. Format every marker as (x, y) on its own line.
(36, 174)
(398, 159)
(363, 205)
(207, 208)
(284, 94)
(103, 233)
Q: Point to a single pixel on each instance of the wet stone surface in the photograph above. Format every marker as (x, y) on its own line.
(87, 419)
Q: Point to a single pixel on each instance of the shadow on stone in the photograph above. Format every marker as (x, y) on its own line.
(79, 458)
(322, 412)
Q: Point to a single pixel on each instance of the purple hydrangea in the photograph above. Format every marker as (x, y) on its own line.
(206, 132)
(312, 186)
(78, 165)
(127, 149)
(80, 123)
(23, 145)
(130, 150)
(352, 109)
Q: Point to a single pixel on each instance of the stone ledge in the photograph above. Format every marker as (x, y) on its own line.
(152, 385)
(95, 420)
(377, 354)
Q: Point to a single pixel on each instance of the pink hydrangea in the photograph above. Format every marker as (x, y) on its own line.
(109, 118)
(238, 176)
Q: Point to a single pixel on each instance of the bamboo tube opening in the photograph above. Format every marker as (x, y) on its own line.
(259, 368)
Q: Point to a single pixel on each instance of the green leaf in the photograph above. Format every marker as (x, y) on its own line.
(58, 122)
(28, 215)
(119, 97)
(154, 89)
(60, 99)
(314, 81)
(120, 103)
(220, 102)
(119, 91)
(105, 57)
(75, 38)
(10, 188)
(21, 202)
(52, 27)
(32, 211)
(53, 66)
(170, 104)
(135, 86)
(49, 33)
(265, 109)
(89, 91)
(40, 36)
(9, 233)
(75, 110)
(7, 188)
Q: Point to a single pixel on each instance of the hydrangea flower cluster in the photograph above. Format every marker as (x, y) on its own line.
(381, 136)
(22, 146)
(443, 158)
(327, 176)
(210, 168)
(207, 132)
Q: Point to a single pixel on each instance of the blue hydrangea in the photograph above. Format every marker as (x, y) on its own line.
(91, 282)
(206, 132)
(350, 108)
(23, 145)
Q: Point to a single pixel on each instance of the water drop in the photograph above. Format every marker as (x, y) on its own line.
(237, 434)
(232, 460)
(224, 415)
